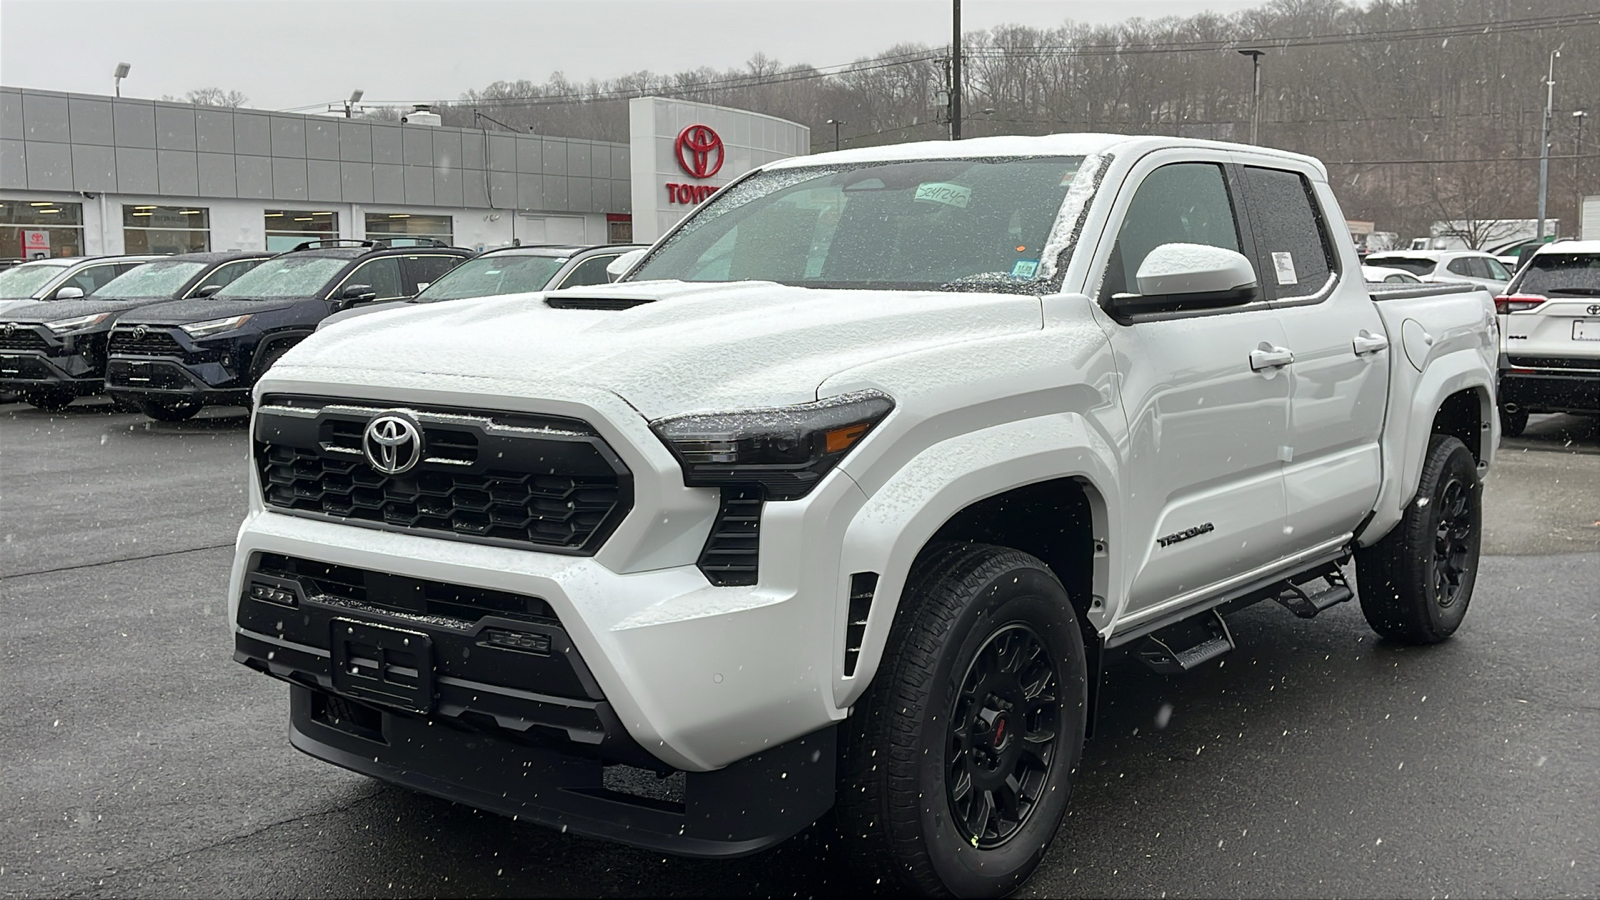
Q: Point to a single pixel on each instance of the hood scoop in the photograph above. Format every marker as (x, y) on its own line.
(565, 300)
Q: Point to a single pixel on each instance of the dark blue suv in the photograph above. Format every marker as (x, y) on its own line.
(54, 351)
(172, 359)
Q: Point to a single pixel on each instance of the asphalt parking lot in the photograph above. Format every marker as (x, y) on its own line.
(1316, 761)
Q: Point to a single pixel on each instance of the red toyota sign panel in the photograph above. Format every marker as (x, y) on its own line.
(700, 151)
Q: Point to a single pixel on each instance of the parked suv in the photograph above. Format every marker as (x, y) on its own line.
(516, 270)
(174, 358)
(1447, 266)
(1550, 334)
(52, 352)
(62, 278)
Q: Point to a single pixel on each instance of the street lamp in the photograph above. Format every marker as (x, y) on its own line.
(836, 123)
(349, 105)
(118, 75)
(1255, 92)
(1577, 157)
(1544, 145)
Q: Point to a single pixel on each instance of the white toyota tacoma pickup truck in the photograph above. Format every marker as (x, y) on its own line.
(845, 495)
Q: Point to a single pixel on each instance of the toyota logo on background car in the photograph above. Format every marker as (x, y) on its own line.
(392, 443)
(138, 332)
(1594, 310)
(697, 145)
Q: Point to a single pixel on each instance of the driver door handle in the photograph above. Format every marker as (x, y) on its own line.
(1367, 342)
(1269, 357)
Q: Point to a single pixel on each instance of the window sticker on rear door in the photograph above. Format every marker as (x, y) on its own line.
(942, 192)
(1284, 263)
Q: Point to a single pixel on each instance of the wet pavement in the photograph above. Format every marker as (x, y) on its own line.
(1315, 761)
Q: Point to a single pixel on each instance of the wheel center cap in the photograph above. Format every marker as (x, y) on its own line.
(998, 738)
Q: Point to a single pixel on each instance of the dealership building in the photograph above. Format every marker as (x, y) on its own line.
(88, 175)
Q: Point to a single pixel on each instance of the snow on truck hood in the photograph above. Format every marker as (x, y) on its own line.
(694, 347)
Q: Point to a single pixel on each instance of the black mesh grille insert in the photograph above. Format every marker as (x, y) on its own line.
(152, 343)
(488, 477)
(22, 339)
(25, 368)
(401, 594)
(732, 551)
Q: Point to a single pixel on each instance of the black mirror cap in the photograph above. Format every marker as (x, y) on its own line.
(1123, 307)
(207, 290)
(357, 293)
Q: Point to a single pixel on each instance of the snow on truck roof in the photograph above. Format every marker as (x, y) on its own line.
(1019, 145)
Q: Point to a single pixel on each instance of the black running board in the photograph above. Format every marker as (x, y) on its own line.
(1298, 597)
(1185, 646)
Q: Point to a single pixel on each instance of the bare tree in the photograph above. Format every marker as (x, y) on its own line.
(211, 96)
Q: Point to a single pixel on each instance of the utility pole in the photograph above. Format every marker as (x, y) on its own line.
(836, 123)
(1577, 162)
(1544, 145)
(955, 74)
(1255, 92)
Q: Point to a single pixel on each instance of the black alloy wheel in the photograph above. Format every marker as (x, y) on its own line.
(1002, 736)
(1415, 583)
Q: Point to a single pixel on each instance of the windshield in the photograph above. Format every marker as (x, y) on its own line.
(292, 276)
(959, 224)
(22, 281)
(149, 281)
(498, 273)
(1577, 274)
(1416, 265)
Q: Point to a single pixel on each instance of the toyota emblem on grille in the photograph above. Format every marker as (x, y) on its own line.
(138, 332)
(392, 443)
(10, 327)
(1594, 310)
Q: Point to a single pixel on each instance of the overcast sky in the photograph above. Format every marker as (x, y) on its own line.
(286, 54)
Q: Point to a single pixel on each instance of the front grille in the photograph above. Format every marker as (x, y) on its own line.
(1556, 362)
(153, 343)
(22, 339)
(503, 478)
(732, 551)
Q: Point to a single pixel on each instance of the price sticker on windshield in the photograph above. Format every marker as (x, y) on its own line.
(942, 192)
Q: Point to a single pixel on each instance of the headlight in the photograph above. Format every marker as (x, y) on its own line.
(213, 326)
(786, 450)
(67, 326)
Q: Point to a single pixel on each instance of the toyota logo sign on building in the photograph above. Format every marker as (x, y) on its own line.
(700, 151)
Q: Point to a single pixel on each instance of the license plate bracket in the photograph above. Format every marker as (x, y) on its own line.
(1585, 331)
(387, 665)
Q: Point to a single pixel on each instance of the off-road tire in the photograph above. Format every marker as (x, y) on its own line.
(169, 410)
(1415, 583)
(963, 601)
(1512, 424)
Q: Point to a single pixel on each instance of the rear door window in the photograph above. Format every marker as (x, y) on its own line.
(1293, 249)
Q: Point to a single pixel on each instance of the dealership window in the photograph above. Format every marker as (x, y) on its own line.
(402, 229)
(166, 229)
(289, 227)
(34, 229)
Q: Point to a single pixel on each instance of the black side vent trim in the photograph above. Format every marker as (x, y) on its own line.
(863, 585)
(567, 301)
(732, 551)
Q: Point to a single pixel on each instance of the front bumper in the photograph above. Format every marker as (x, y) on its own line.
(24, 370)
(1551, 391)
(166, 377)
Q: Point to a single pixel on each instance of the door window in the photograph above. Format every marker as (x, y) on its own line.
(425, 270)
(1181, 203)
(225, 274)
(1294, 254)
(590, 271)
(1462, 267)
(1497, 271)
(383, 275)
(92, 277)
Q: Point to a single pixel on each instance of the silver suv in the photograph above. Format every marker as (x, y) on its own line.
(1550, 334)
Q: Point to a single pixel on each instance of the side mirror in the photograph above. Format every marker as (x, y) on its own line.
(619, 267)
(208, 290)
(1178, 277)
(68, 293)
(356, 293)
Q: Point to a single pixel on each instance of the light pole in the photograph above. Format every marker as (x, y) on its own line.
(118, 75)
(1544, 144)
(955, 73)
(349, 105)
(1577, 159)
(1255, 92)
(836, 123)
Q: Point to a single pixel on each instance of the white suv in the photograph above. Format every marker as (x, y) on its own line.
(1550, 334)
(1447, 266)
